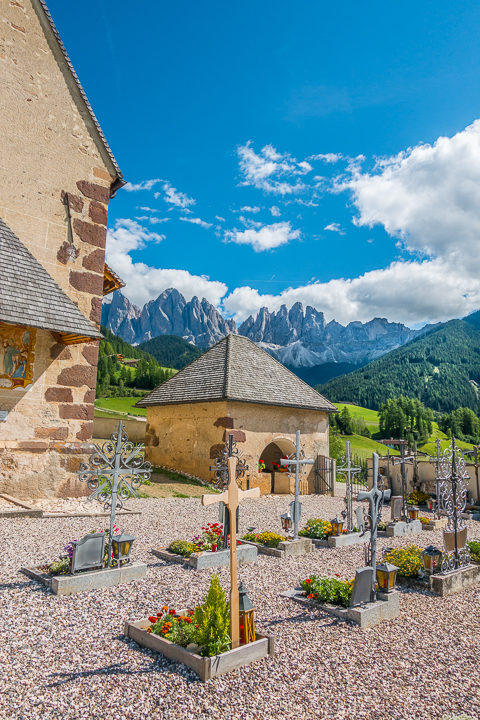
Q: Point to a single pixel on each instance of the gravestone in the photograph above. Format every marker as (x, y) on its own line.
(360, 519)
(88, 553)
(396, 507)
(362, 587)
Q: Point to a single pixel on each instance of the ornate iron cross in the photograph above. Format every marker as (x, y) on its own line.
(453, 477)
(436, 459)
(295, 462)
(349, 471)
(375, 498)
(404, 460)
(114, 473)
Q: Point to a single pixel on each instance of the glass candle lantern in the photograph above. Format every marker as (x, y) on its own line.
(432, 559)
(413, 513)
(247, 616)
(286, 520)
(121, 546)
(386, 576)
(337, 526)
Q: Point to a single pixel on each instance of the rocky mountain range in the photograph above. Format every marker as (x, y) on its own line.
(198, 322)
(297, 338)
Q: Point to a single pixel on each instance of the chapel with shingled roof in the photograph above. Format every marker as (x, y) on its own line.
(58, 175)
(236, 388)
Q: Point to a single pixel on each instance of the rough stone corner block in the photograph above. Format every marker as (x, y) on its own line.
(94, 191)
(78, 375)
(86, 431)
(86, 282)
(90, 353)
(59, 394)
(91, 234)
(95, 261)
(98, 213)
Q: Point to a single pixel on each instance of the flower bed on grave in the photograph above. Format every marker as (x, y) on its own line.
(62, 565)
(408, 561)
(199, 637)
(328, 590)
(208, 541)
(317, 529)
(267, 539)
(418, 498)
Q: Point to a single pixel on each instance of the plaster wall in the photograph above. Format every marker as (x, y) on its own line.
(189, 437)
(48, 147)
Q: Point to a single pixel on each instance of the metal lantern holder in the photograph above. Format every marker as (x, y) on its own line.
(432, 560)
(386, 576)
(453, 477)
(287, 522)
(114, 473)
(247, 616)
(337, 526)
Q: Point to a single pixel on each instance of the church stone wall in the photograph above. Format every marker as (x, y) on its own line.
(189, 437)
(49, 147)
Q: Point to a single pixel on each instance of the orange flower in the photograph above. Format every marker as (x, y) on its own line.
(165, 608)
(310, 596)
(149, 630)
(191, 612)
(308, 581)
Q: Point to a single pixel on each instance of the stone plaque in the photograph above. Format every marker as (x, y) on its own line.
(362, 587)
(88, 553)
(449, 540)
(396, 507)
(360, 519)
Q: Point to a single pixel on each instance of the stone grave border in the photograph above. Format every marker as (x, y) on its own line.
(21, 509)
(399, 529)
(445, 584)
(336, 541)
(387, 607)
(205, 667)
(90, 580)
(286, 548)
(202, 560)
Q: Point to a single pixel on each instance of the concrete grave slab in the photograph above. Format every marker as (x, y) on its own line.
(444, 584)
(287, 548)
(348, 539)
(399, 529)
(387, 607)
(95, 580)
(246, 553)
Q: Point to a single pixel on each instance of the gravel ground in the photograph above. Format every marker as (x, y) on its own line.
(66, 657)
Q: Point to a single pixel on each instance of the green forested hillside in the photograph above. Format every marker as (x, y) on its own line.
(171, 351)
(441, 368)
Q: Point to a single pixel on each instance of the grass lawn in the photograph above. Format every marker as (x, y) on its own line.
(120, 405)
(364, 447)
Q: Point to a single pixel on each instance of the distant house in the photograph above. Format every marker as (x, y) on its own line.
(58, 176)
(236, 387)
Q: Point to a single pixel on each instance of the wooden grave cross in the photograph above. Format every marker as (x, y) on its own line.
(232, 497)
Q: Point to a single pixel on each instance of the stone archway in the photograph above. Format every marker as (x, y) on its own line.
(273, 452)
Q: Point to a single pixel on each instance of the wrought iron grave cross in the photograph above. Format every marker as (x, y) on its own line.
(114, 473)
(296, 463)
(375, 498)
(349, 471)
(220, 473)
(436, 460)
(453, 490)
(231, 497)
(404, 460)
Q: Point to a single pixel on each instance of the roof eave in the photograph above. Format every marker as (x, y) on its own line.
(233, 399)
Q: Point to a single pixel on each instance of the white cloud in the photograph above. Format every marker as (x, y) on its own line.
(335, 227)
(328, 157)
(263, 170)
(429, 198)
(144, 185)
(267, 237)
(276, 212)
(174, 197)
(219, 218)
(253, 210)
(152, 220)
(144, 283)
(197, 221)
(148, 209)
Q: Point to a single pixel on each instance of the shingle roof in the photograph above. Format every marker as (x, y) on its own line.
(79, 85)
(237, 369)
(29, 296)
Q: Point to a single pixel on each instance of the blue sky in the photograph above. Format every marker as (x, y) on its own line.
(326, 153)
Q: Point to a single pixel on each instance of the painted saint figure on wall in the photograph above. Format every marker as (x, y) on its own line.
(17, 346)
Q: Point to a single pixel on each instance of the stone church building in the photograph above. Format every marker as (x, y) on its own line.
(236, 387)
(58, 175)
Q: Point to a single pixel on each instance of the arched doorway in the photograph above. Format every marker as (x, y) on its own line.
(273, 452)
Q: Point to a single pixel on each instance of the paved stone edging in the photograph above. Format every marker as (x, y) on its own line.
(202, 560)
(94, 580)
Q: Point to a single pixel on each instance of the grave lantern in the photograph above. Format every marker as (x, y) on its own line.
(413, 513)
(121, 546)
(386, 576)
(247, 617)
(432, 559)
(287, 522)
(337, 526)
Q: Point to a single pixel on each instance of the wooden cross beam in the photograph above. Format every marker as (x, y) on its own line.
(232, 497)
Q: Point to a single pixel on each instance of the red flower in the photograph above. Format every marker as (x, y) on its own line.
(171, 612)
(153, 619)
(316, 596)
(308, 581)
(159, 614)
(337, 574)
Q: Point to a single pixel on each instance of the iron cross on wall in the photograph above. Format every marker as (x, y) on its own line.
(403, 461)
(231, 497)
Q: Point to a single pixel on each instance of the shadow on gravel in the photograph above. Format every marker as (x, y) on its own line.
(21, 585)
(307, 617)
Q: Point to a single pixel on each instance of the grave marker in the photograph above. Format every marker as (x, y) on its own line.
(349, 471)
(296, 463)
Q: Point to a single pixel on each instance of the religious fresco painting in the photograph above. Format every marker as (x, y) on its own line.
(17, 352)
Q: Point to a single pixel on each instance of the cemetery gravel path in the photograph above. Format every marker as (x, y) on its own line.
(66, 657)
